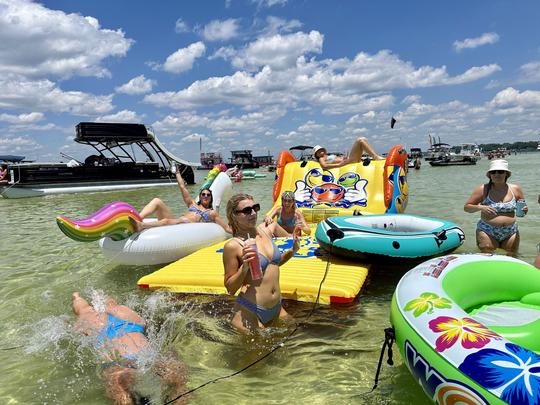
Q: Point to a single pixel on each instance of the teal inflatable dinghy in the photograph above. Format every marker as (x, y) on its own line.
(397, 236)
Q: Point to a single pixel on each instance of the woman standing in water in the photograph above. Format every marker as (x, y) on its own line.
(496, 202)
(259, 301)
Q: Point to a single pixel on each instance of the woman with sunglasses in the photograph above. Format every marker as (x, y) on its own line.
(288, 217)
(259, 301)
(360, 146)
(496, 202)
(201, 211)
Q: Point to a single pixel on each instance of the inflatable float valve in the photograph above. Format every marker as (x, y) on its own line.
(334, 233)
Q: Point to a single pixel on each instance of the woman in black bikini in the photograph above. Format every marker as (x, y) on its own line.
(259, 301)
(197, 212)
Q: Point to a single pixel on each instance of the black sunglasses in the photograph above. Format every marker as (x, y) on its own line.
(206, 194)
(497, 172)
(247, 210)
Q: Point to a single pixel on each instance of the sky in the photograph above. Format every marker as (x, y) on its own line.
(268, 74)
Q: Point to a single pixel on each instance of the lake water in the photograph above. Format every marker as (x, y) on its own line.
(331, 359)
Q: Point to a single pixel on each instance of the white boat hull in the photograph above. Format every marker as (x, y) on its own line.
(18, 191)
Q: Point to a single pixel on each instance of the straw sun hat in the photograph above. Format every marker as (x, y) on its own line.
(499, 164)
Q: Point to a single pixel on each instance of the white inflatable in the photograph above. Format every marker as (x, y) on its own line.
(166, 244)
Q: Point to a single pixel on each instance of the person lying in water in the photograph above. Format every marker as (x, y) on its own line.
(120, 339)
(259, 303)
(201, 211)
(360, 146)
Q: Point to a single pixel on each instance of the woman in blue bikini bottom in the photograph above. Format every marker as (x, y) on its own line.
(499, 233)
(120, 335)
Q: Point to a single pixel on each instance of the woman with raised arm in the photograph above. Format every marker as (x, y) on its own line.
(201, 211)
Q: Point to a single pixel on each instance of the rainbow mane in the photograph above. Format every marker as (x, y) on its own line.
(113, 221)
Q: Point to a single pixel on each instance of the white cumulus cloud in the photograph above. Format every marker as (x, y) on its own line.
(471, 43)
(137, 85)
(217, 30)
(22, 118)
(181, 26)
(44, 95)
(278, 51)
(40, 42)
(183, 59)
(120, 116)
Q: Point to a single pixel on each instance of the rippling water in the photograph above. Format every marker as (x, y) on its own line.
(332, 358)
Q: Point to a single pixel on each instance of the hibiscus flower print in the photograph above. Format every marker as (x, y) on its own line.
(427, 302)
(471, 333)
(514, 373)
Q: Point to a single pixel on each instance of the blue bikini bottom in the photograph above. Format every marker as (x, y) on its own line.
(265, 315)
(499, 233)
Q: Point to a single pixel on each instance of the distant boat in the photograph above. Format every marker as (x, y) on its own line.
(209, 160)
(437, 151)
(243, 159)
(113, 166)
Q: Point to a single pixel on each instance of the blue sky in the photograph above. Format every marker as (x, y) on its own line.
(268, 74)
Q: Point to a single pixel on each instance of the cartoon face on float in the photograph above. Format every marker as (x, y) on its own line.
(348, 180)
(328, 192)
(316, 177)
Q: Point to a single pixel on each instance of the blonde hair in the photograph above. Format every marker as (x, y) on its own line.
(232, 205)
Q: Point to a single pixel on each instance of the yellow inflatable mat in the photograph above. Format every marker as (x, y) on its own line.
(202, 272)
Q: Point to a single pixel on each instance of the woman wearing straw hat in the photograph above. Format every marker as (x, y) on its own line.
(497, 202)
(360, 146)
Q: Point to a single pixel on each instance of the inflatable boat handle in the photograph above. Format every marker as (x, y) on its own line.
(335, 233)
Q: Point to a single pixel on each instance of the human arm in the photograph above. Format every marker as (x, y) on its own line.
(301, 221)
(270, 217)
(519, 194)
(236, 264)
(185, 193)
(338, 162)
(218, 220)
(273, 227)
(473, 204)
(290, 252)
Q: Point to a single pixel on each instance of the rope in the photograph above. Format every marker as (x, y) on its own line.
(274, 349)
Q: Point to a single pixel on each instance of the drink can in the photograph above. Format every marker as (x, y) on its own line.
(520, 204)
(254, 264)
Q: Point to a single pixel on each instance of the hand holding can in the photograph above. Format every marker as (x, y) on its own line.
(520, 204)
(254, 264)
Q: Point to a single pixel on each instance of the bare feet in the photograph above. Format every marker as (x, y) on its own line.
(379, 157)
(137, 226)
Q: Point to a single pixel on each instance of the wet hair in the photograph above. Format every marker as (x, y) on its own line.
(287, 194)
(4, 166)
(232, 205)
(211, 197)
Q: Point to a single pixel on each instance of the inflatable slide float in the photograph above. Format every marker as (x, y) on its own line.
(319, 194)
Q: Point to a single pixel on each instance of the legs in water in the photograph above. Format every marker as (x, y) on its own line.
(360, 146)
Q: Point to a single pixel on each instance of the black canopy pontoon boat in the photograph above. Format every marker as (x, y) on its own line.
(114, 166)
